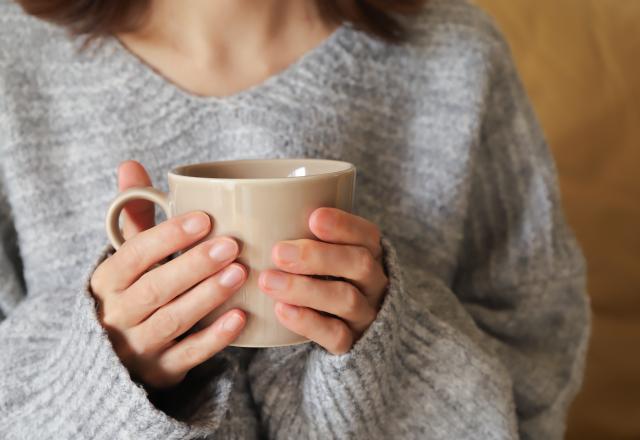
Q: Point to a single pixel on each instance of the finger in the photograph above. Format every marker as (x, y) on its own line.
(179, 315)
(338, 226)
(331, 333)
(313, 257)
(162, 284)
(200, 346)
(336, 297)
(138, 214)
(148, 247)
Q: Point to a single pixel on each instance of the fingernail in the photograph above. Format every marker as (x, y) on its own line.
(231, 276)
(232, 323)
(289, 253)
(289, 311)
(194, 223)
(275, 280)
(222, 250)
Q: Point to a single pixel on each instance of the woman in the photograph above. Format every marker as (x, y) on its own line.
(463, 313)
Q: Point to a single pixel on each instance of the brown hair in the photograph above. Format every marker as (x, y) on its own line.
(95, 18)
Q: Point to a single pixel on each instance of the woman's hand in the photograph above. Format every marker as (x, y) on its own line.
(144, 309)
(333, 313)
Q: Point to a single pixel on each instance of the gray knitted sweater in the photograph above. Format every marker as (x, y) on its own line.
(483, 332)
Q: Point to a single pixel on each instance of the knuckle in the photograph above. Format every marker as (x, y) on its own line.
(194, 355)
(111, 315)
(306, 247)
(131, 253)
(96, 283)
(110, 320)
(164, 324)
(210, 295)
(366, 264)
(350, 298)
(150, 294)
(146, 346)
(141, 345)
(102, 275)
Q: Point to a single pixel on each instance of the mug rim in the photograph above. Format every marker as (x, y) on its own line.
(174, 173)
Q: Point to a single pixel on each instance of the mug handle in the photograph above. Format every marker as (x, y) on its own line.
(113, 214)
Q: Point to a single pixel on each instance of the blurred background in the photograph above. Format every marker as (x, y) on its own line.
(580, 62)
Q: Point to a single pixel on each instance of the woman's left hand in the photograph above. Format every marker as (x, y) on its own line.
(333, 313)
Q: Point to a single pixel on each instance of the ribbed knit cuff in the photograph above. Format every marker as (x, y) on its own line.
(85, 381)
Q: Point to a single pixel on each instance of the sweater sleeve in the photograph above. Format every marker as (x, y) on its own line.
(60, 377)
(521, 273)
(495, 351)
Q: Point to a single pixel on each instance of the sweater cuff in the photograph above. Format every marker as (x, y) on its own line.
(88, 382)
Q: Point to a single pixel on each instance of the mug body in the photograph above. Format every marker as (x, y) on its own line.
(260, 202)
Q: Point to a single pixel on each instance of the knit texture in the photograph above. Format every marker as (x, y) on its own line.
(483, 331)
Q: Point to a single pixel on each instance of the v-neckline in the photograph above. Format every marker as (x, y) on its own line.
(309, 62)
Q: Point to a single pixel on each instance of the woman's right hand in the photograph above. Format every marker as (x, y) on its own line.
(145, 309)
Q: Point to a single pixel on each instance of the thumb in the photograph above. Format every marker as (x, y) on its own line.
(138, 215)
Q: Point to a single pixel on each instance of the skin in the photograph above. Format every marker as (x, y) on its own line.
(222, 47)
(347, 246)
(147, 302)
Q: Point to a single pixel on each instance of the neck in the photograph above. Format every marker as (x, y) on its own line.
(208, 30)
(219, 47)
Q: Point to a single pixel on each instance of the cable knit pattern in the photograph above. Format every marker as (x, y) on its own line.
(484, 326)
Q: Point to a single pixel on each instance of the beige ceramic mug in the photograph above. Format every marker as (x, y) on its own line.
(258, 202)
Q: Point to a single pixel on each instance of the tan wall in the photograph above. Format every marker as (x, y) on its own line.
(580, 62)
